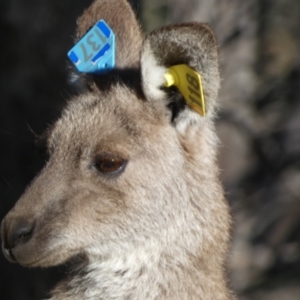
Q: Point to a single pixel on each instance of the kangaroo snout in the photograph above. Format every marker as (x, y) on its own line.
(25, 231)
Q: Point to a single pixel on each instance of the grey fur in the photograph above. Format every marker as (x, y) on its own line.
(160, 228)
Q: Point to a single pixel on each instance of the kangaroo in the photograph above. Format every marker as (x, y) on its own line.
(131, 190)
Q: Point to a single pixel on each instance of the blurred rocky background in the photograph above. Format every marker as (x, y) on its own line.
(258, 124)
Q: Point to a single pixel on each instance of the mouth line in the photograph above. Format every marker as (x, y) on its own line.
(34, 263)
(8, 253)
(37, 262)
(11, 255)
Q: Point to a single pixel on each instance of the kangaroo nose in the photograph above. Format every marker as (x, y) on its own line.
(20, 233)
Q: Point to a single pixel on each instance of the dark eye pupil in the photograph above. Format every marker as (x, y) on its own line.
(109, 164)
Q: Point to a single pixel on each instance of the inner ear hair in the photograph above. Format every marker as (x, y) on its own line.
(176, 102)
(190, 44)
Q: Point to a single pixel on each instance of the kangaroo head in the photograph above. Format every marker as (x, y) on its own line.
(131, 164)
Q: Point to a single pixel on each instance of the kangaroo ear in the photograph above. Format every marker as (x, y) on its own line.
(192, 44)
(120, 18)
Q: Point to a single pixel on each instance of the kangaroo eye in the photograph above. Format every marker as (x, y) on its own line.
(110, 164)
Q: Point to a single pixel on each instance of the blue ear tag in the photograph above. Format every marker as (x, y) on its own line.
(95, 52)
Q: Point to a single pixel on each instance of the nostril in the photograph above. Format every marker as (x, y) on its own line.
(15, 231)
(22, 233)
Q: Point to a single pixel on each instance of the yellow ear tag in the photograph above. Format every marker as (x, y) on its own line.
(189, 83)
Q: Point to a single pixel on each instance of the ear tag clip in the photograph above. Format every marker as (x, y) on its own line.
(95, 52)
(189, 83)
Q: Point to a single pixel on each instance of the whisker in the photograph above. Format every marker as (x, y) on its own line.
(14, 134)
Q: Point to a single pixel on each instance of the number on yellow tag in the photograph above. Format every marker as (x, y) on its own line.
(188, 81)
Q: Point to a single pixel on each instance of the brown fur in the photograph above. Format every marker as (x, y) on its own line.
(158, 229)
